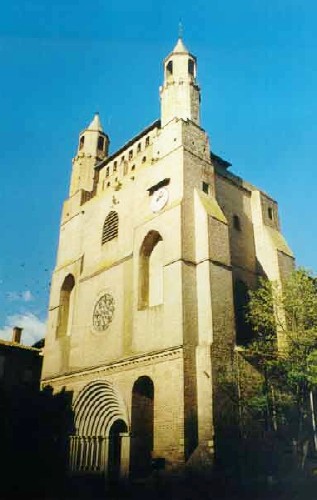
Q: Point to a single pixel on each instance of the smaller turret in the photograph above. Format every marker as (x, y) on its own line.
(180, 94)
(93, 146)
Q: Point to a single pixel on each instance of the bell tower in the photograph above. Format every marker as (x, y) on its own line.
(180, 93)
(92, 147)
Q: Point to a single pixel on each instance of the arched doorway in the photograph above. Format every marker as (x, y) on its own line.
(116, 451)
(142, 420)
(100, 444)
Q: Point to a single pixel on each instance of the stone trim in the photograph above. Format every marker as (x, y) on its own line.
(117, 366)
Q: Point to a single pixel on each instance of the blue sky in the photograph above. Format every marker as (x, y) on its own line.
(63, 60)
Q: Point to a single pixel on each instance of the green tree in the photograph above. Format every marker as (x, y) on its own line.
(284, 350)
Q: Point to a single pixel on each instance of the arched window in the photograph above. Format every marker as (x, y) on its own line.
(142, 417)
(241, 301)
(191, 67)
(110, 227)
(101, 143)
(151, 271)
(65, 306)
(169, 69)
(81, 142)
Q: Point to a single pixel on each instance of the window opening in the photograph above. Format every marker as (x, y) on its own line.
(110, 227)
(236, 222)
(169, 69)
(206, 187)
(101, 143)
(81, 142)
(191, 67)
(270, 213)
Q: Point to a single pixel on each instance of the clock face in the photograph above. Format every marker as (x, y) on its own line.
(159, 199)
(103, 312)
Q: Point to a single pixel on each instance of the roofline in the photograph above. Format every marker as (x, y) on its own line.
(9, 343)
(156, 124)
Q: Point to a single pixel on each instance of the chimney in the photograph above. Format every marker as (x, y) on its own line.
(16, 334)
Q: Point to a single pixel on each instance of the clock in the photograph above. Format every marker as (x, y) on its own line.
(103, 312)
(159, 199)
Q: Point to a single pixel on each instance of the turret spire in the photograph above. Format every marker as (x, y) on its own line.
(93, 147)
(95, 123)
(180, 94)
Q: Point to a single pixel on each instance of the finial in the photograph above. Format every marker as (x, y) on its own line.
(180, 29)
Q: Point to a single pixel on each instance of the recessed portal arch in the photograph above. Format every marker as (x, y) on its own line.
(101, 439)
(142, 427)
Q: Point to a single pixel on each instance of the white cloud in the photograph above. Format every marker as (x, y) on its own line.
(25, 296)
(33, 327)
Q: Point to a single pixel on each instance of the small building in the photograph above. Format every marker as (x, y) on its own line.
(20, 365)
(20, 372)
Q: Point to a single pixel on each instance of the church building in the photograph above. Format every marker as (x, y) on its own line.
(159, 244)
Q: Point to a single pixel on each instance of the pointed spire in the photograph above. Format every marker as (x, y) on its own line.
(95, 124)
(180, 47)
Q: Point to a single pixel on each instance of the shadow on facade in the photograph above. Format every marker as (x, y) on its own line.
(33, 436)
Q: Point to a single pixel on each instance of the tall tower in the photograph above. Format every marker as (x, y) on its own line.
(92, 147)
(158, 242)
(180, 94)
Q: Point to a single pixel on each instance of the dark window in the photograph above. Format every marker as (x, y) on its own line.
(110, 227)
(270, 213)
(191, 67)
(122, 159)
(115, 165)
(236, 222)
(133, 167)
(139, 147)
(81, 142)
(205, 187)
(107, 172)
(144, 159)
(147, 141)
(169, 69)
(101, 143)
(130, 154)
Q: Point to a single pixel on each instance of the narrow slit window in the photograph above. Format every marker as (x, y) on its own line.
(236, 222)
(101, 143)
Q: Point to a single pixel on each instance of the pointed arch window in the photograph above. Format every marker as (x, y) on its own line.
(66, 300)
(151, 271)
(110, 227)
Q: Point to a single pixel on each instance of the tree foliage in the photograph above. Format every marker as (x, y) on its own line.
(284, 350)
